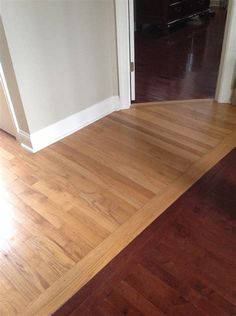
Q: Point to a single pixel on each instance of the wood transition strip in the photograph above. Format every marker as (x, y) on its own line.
(56, 295)
(170, 102)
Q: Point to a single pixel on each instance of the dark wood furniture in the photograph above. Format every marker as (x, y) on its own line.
(165, 12)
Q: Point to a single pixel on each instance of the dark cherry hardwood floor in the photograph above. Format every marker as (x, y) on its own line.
(182, 264)
(181, 65)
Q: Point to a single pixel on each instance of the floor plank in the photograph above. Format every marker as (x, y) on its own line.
(182, 264)
(67, 210)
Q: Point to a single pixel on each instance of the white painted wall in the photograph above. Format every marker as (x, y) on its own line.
(64, 55)
(6, 122)
(227, 71)
(8, 75)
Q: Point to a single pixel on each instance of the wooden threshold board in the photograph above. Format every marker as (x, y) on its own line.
(75, 205)
(151, 103)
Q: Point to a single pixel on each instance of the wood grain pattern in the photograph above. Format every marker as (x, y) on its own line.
(182, 264)
(69, 209)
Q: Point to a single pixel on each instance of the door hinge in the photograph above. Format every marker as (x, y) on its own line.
(131, 66)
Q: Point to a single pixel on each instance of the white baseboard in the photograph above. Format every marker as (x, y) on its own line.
(55, 132)
(215, 3)
(25, 141)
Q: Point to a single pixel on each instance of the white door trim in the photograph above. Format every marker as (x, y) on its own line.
(9, 102)
(227, 69)
(132, 48)
(123, 52)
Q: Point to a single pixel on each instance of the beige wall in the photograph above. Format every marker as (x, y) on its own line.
(63, 53)
(6, 121)
(6, 63)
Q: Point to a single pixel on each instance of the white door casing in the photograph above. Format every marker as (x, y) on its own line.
(123, 52)
(8, 119)
(6, 122)
(227, 69)
(132, 49)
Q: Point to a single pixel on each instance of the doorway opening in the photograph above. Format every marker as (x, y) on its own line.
(177, 48)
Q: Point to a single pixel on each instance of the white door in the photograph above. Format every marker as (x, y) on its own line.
(6, 122)
(132, 49)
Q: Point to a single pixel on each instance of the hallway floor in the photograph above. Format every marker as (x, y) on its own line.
(181, 65)
(183, 264)
(69, 209)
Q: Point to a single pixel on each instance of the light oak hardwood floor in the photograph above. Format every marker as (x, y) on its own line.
(66, 211)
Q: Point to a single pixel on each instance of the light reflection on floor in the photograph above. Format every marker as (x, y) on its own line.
(7, 229)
